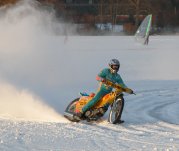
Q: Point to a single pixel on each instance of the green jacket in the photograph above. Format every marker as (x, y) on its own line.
(114, 77)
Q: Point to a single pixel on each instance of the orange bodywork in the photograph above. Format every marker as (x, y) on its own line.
(107, 99)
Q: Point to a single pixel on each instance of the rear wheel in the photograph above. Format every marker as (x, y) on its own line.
(69, 111)
(116, 110)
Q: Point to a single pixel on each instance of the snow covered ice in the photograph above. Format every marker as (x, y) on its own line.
(42, 72)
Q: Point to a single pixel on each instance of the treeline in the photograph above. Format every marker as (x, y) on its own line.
(129, 13)
(5, 2)
(165, 12)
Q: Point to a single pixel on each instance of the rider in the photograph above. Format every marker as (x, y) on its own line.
(106, 74)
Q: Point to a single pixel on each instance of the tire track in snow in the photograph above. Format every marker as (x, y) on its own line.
(152, 105)
(145, 128)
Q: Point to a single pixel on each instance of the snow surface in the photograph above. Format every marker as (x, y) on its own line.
(42, 72)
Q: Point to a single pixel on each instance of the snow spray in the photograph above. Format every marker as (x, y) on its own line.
(23, 64)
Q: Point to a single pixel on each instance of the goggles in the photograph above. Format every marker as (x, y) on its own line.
(115, 67)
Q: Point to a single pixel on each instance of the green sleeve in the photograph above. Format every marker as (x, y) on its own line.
(121, 82)
(103, 73)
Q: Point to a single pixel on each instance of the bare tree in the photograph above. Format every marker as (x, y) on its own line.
(101, 11)
(5, 2)
(140, 7)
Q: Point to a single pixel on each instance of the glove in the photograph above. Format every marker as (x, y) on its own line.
(103, 80)
(130, 91)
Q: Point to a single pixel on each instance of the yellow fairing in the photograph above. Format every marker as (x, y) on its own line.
(107, 99)
(82, 102)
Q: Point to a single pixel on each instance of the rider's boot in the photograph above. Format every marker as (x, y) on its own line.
(120, 121)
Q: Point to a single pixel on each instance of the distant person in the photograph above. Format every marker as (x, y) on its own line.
(146, 40)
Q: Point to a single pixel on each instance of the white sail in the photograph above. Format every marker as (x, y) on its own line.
(142, 33)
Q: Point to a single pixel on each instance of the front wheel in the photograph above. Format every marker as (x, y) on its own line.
(116, 110)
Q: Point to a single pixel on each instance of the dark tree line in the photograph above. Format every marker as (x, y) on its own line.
(5, 2)
(165, 12)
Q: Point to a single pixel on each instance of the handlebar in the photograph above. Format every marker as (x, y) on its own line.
(118, 87)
